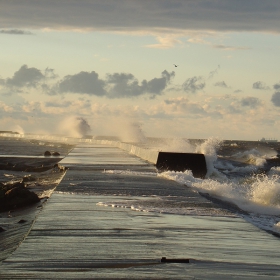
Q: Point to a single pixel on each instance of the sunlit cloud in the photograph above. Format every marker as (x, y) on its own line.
(165, 42)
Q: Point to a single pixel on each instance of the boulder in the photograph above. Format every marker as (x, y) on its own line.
(59, 168)
(47, 154)
(16, 195)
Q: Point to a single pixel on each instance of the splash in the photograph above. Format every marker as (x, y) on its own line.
(74, 127)
(259, 194)
(18, 129)
(251, 157)
(179, 145)
(209, 149)
(132, 132)
(266, 190)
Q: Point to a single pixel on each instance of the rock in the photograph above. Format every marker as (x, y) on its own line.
(22, 221)
(60, 168)
(47, 153)
(1, 229)
(16, 195)
(56, 154)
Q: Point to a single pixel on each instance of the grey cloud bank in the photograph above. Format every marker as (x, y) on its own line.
(117, 85)
(111, 15)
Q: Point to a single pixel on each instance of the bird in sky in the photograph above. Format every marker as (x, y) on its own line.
(175, 65)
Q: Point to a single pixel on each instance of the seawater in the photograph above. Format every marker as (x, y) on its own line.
(240, 178)
(243, 180)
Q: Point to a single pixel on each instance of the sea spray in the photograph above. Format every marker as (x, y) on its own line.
(131, 132)
(252, 156)
(178, 145)
(266, 190)
(209, 149)
(258, 194)
(74, 127)
(18, 129)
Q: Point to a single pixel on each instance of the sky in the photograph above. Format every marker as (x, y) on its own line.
(180, 68)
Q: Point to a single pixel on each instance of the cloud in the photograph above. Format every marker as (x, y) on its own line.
(275, 99)
(276, 86)
(193, 84)
(221, 84)
(117, 85)
(25, 76)
(5, 108)
(64, 104)
(238, 91)
(111, 15)
(183, 105)
(214, 72)
(260, 85)
(166, 42)
(230, 48)
(15, 32)
(83, 82)
(251, 102)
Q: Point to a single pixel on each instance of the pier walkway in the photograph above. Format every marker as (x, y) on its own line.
(75, 236)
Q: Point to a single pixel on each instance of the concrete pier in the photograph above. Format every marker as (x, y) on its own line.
(75, 236)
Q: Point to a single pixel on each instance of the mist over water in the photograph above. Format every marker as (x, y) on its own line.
(74, 127)
(131, 131)
(18, 129)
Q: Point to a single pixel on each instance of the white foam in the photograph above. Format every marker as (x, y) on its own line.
(141, 206)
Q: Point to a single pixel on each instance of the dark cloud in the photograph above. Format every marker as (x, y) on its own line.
(260, 85)
(15, 32)
(25, 76)
(193, 84)
(221, 84)
(214, 72)
(275, 99)
(238, 91)
(64, 104)
(157, 85)
(111, 15)
(123, 85)
(251, 102)
(117, 85)
(276, 86)
(50, 73)
(83, 82)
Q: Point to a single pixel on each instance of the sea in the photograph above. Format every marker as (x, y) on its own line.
(243, 178)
